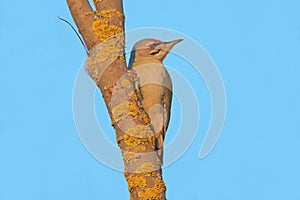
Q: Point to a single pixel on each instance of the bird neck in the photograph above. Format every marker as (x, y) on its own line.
(145, 60)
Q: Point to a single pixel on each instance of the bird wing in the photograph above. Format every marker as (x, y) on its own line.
(166, 103)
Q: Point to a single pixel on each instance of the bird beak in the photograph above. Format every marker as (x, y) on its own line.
(174, 42)
(169, 45)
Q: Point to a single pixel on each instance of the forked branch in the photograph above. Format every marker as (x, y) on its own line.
(103, 33)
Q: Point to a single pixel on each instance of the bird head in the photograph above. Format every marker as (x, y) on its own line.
(152, 49)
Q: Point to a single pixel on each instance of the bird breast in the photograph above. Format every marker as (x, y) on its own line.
(154, 73)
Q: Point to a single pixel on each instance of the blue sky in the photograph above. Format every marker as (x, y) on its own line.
(256, 46)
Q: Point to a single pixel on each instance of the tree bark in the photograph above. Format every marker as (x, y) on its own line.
(103, 33)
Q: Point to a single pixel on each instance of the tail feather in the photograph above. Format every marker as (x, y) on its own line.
(160, 147)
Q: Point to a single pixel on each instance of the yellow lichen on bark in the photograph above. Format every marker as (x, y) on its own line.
(106, 52)
(125, 110)
(96, 1)
(141, 134)
(134, 141)
(130, 157)
(159, 184)
(154, 193)
(146, 168)
(140, 131)
(94, 13)
(122, 58)
(109, 13)
(145, 118)
(104, 30)
(136, 181)
(143, 147)
(133, 96)
(91, 68)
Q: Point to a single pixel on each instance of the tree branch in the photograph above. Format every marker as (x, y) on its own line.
(103, 33)
(80, 10)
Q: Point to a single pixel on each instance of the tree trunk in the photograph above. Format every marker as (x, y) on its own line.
(103, 33)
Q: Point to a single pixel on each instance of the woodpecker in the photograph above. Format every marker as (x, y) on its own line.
(154, 84)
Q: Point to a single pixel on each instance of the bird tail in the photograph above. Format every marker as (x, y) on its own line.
(160, 153)
(160, 147)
